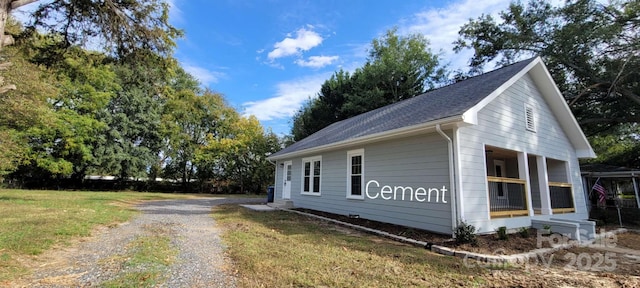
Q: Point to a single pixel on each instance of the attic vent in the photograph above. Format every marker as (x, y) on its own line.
(531, 125)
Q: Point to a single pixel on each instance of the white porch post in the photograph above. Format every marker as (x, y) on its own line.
(523, 173)
(585, 192)
(543, 178)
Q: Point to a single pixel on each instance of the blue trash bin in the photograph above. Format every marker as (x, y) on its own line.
(270, 192)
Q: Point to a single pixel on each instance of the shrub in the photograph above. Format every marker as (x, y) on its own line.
(465, 233)
(524, 232)
(502, 233)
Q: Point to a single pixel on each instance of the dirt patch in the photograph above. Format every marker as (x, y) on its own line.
(629, 240)
(515, 243)
(486, 244)
(600, 262)
(413, 233)
(619, 255)
(574, 267)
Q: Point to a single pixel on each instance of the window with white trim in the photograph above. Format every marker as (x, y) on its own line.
(355, 174)
(311, 175)
(530, 118)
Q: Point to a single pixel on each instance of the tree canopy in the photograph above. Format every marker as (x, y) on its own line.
(397, 68)
(129, 110)
(133, 116)
(591, 49)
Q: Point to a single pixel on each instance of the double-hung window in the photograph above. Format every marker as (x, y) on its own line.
(311, 175)
(355, 174)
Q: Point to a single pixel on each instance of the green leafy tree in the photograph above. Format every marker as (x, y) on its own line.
(131, 32)
(312, 116)
(188, 118)
(87, 86)
(403, 67)
(181, 127)
(398, 68)
(118, 27)
(20, 110)
(62, 144)
(591, 50)
(133, 138)
(238, 154)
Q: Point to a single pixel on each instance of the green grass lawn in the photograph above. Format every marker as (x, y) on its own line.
(281, 249)
(33, 221)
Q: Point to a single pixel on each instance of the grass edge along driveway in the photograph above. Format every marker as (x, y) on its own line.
(32, 221)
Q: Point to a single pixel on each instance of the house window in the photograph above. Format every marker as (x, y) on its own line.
(355, 174)
(529, 118)
(311, 175)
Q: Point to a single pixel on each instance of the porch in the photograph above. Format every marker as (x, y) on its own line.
(521, 184)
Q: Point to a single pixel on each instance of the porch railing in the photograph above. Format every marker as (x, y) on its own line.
(507, 197)
(561, 198)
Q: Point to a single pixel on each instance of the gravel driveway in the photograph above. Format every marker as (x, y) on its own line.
(200, 261)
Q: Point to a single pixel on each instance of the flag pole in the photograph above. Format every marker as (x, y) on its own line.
(618, 204)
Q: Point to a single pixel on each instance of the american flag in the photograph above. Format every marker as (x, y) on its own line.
(602, 193)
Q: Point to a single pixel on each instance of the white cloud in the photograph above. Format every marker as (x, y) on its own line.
(288, 98)
(304, 40)
(175, 13)
(205, 76)
(317, 61)
(441, 25)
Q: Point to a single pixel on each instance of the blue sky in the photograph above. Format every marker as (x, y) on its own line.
(268, 57)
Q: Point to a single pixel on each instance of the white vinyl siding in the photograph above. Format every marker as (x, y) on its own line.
(311, 175)
(355, 174)
(415, 161)
(501, 124)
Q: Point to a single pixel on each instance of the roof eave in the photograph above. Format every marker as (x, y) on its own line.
(404, 131)
(586, 153)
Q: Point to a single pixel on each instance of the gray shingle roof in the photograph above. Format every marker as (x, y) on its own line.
(448, 101)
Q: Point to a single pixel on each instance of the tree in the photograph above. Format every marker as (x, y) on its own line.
(20, 110)
(590, 48)
(127, 30)
(312, 116)
(60, 136)
(133, 139)
(119, 27)
(404, 66)
(238, 154)
(181, 129)
(187, 121)
(398, 68)
(6, 6)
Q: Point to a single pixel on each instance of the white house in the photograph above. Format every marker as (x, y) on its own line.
(498, 149)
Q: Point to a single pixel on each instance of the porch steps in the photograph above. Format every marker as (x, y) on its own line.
(281, 203)
(581, 230)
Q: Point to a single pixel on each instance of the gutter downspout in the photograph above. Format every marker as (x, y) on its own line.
(452, 183)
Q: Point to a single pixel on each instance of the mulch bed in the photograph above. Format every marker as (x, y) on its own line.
(486, 244)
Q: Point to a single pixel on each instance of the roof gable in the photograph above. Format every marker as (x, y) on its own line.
(552, 95)
(457, 102)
